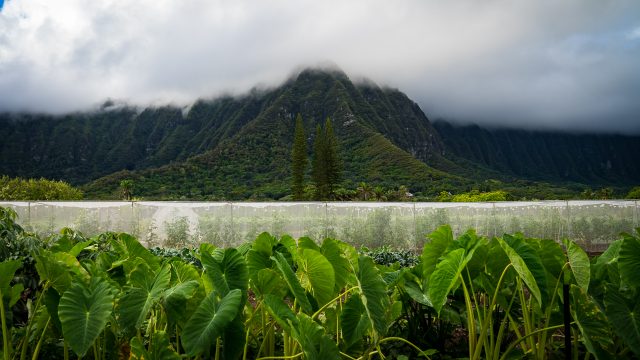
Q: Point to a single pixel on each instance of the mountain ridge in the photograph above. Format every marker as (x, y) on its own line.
(238, 147)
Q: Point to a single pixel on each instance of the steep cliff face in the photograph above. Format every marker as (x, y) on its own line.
(537, 155)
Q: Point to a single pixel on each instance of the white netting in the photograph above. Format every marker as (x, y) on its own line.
(594, 224)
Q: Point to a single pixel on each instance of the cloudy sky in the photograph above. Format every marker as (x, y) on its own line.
(570, 64)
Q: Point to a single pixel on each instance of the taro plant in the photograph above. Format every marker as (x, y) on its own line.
(329, 301)
(608, 314)
(280, 298)
(508, 286)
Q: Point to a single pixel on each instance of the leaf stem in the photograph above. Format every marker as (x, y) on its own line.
(485, 323)
(331, 302)
(281, 357)
(347, 356)
(513, 344)
(394, 338)
(5, 332)
(37, 350)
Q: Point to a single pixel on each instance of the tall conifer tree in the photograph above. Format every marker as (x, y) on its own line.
(327, 166)
(298, 160)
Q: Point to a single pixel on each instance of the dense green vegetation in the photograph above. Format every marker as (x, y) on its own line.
(591, 159)
(298, 160)
(37, 189)
(634, 193)
(108, 297)
(240, 148)
(474, 196)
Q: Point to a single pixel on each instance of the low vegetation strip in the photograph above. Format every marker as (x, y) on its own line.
(109, 297)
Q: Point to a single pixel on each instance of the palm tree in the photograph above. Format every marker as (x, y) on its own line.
(379, 193)
(126, 186)
(364, 191)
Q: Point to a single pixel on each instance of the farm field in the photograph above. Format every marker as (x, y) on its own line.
(592, 224)
(280, 297)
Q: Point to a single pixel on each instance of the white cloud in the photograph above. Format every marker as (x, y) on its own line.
(529, 63)
(634, 34)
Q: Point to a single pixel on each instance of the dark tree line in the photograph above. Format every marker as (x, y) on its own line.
(326, 166)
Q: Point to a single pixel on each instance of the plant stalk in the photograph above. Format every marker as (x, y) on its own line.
(332, 301)
(5, 332)
(281, 357)
(25, 344)
(513, 344)
(39, 345)
(485, 324)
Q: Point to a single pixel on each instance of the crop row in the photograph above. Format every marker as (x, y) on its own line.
(109, 297)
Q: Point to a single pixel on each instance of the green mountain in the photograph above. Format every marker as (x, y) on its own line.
(239, 147)
(252, 160)
(592, 159)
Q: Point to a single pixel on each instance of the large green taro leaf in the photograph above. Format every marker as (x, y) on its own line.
(444, 278)
(373, 293)
(624, 315)
(281, 313)
(293, 282)
(532, 262)
(580, 265)
(354, 321)
(522, 269)
(227, 270)
(58, 269)
(592, 324)
(185, 281)
(629, 261)
(264, 243)
(209, 321)
(315, 344)
(84, 311)
(268, 281)
(144, 291)
(131, 252)
(433, 250)
(7, 270)
(333, 250)
(316, 270)
(233, 338)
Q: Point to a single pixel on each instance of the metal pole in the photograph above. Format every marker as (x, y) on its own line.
(494, 219)
(326, 220)
(415, 227)
(568, 220)
(233, 226)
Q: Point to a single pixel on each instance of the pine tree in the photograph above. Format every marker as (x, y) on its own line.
(298, 160)
(327, 166)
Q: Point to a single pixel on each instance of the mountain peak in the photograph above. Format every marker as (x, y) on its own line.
(321, 73)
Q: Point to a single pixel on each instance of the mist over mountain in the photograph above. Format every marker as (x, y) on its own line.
(570, 65)
(239, 147)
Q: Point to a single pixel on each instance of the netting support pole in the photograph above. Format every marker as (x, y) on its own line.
(326, 220)
(415, 227)
(494, 219)
(568, 220)
(233, 226)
